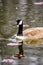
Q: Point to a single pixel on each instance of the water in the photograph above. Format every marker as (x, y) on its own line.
(34, 56)
(31, 14)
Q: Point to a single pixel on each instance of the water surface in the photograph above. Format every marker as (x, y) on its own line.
(31, 14)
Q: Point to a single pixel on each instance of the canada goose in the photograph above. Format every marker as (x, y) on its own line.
(20, 33)
(31, 35)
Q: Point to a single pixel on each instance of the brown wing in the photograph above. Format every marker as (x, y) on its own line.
(34, 32)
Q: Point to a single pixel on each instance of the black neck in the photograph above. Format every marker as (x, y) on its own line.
(20, 30)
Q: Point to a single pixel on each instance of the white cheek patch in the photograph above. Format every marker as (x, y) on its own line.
(20, 22)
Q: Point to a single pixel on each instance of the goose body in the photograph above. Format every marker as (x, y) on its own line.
(35, 35)
(31, 35)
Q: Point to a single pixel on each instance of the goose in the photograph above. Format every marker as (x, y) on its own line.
(32, 36)
(20, 33)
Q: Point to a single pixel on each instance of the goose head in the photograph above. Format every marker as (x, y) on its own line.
(19, 22)
(20, 27)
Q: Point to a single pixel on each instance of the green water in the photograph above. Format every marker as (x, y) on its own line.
(31, 14)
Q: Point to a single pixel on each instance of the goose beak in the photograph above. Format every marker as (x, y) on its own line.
(15, 25)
